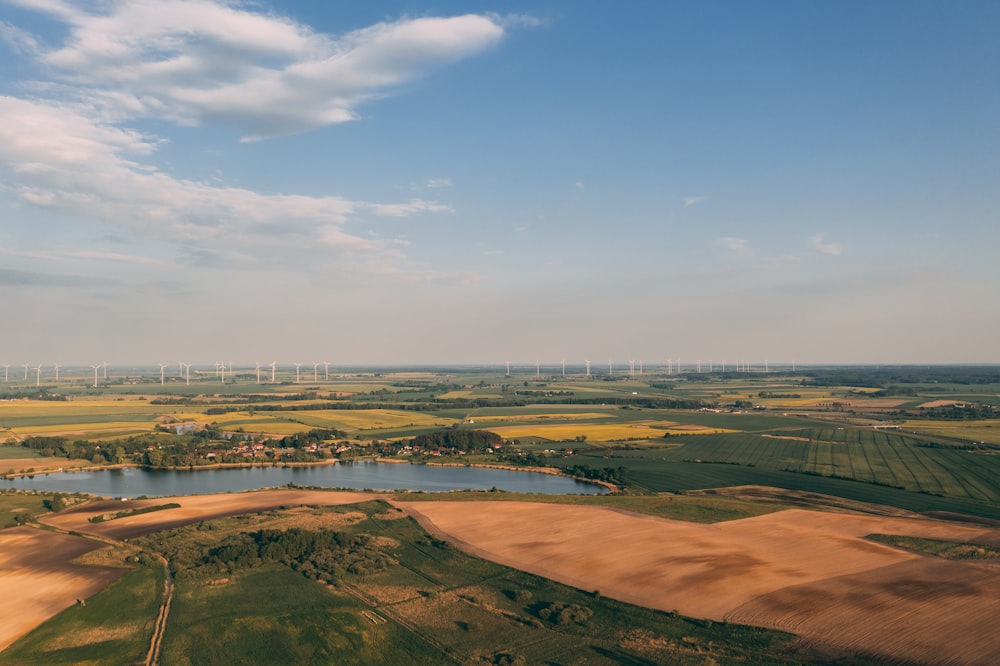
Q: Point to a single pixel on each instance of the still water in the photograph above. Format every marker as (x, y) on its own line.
(133, 482)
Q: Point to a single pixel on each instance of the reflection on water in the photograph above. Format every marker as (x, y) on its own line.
(133, 482)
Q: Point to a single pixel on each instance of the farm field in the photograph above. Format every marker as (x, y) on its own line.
(763, 571)
(976, 431)
(38, 579)
(598, 431)
(878, 457)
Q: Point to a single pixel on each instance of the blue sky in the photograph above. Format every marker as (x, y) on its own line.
(462, 182)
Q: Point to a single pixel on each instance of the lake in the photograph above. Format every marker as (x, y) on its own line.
(134, 482)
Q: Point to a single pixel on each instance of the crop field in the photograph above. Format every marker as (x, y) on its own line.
(876, 457)
(370, 419)
(977, 431)
(541, 418)
(593, 432)
(92, 430)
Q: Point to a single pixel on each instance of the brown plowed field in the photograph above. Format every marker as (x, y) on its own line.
(37, 580)
(193, 508)
(754, 570)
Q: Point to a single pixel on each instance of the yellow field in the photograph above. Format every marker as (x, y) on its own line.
(566, 416)
(595, 432)
(373, 419)
(105, 428)
(976, 431)
(49, 408)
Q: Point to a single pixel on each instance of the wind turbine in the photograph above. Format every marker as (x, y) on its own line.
(274, 364)
(162, 368)
(326, 367)
(508, 368)
(611, 370)
(6, 367)
(588, 366)
(315, 371)
(26, 371)
(38, 376)
(56, 366)
(96, 368)
(640, 367)
(765, 365)
(105, 364)
(187, 373)
(538, 369)
(297, 365)
(564, 368)
(698, 364)
(258, 372)
(710, 366)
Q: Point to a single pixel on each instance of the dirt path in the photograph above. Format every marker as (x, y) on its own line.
(156, 642)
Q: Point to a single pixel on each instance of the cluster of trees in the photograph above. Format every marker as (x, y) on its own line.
(97, 452)
(314, 437)
(458, 440)
(323, 555)
(559, 612)
(615, 475)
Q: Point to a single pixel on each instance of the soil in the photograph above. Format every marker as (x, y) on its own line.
(808, 572)
(37, 581)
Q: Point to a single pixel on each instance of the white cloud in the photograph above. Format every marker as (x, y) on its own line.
(818, 243)
(209, 62)
(61, 160)
(494, 253)
(411, 207)
(734, 244)
(439, 183)
(691, 201)
(580, 185)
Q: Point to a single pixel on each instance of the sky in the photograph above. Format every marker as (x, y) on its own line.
(480, 182)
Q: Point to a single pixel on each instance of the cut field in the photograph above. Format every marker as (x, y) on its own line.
(191, 509)
(37, 579)
(751, 570)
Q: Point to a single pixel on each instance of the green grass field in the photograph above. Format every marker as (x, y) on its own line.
(17, 508)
